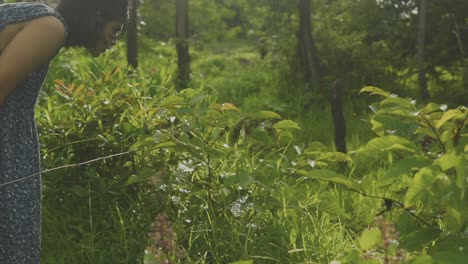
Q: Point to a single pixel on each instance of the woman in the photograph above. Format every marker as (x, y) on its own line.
(31, 34)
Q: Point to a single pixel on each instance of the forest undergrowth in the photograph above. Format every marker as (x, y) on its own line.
(232, 170)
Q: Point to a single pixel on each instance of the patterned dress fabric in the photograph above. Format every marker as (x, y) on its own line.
(20, 193)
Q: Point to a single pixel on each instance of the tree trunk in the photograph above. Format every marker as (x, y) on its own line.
(464, 60)
(132, 39)
(307, 50)
(182, 46)
(338, 116)
(465, 74)
(422, 48)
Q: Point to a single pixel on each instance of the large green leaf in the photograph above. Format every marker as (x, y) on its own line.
(456, 245)
(455, 220)
(262, 115)
(418, 239)
(449, 160)
(375, 90)
(450, 250)
(450, 114)
(462, 176)
(142, 176)
(286, 124)
(332, 176)
(421, 182)
(401, 102)
(370, 238)
(315, 147)
(172, 100)
(378, 128)
(406, 166)
(389, 143)
(335, 157)
(143, 142)
(243, 262)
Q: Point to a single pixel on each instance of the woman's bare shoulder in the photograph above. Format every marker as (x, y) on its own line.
(46, 22)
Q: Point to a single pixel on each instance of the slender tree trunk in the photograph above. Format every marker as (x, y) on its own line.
(464, 60)
(338, 116)
(182, 45)
(132, 38)
(465, 74)
(307, 50)
(422, 49)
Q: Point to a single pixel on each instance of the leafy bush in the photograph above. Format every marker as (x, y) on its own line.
(424, 176)
(133, 147)
(190, 179)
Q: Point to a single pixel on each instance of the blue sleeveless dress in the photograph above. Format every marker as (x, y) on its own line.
(20, 197)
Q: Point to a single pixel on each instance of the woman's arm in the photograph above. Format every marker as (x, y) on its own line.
(31, 47)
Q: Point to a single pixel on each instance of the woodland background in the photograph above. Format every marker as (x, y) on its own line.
(236, 131)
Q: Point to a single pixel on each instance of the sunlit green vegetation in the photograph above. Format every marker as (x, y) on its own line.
(241, 167)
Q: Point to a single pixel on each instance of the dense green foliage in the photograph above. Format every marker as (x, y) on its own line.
(228, 184)
(241, 167)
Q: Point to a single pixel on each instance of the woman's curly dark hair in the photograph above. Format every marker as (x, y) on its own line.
(85, 19)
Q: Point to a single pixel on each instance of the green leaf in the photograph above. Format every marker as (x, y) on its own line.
(263, 115)
(319, 174)
(314, 147)
(418, 239)
(399, 147)
(332, 176)
(243, 262)
(378, 128)
(167, 144)
(229, 106)
(405, 166)
(389, 143)
(197, 98)
(369, 238)
(430, 108)
(286, 124)
(457, 246)
(450, 114)
(421, 182)
(449, 160)
(461, 173)
(144, 142)
(262, 136)
(401, 102)
(454, 220)
(335, 157)
(399, 112)
(142, 176)
(375, 90)
(172, 100)
(425, 131)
